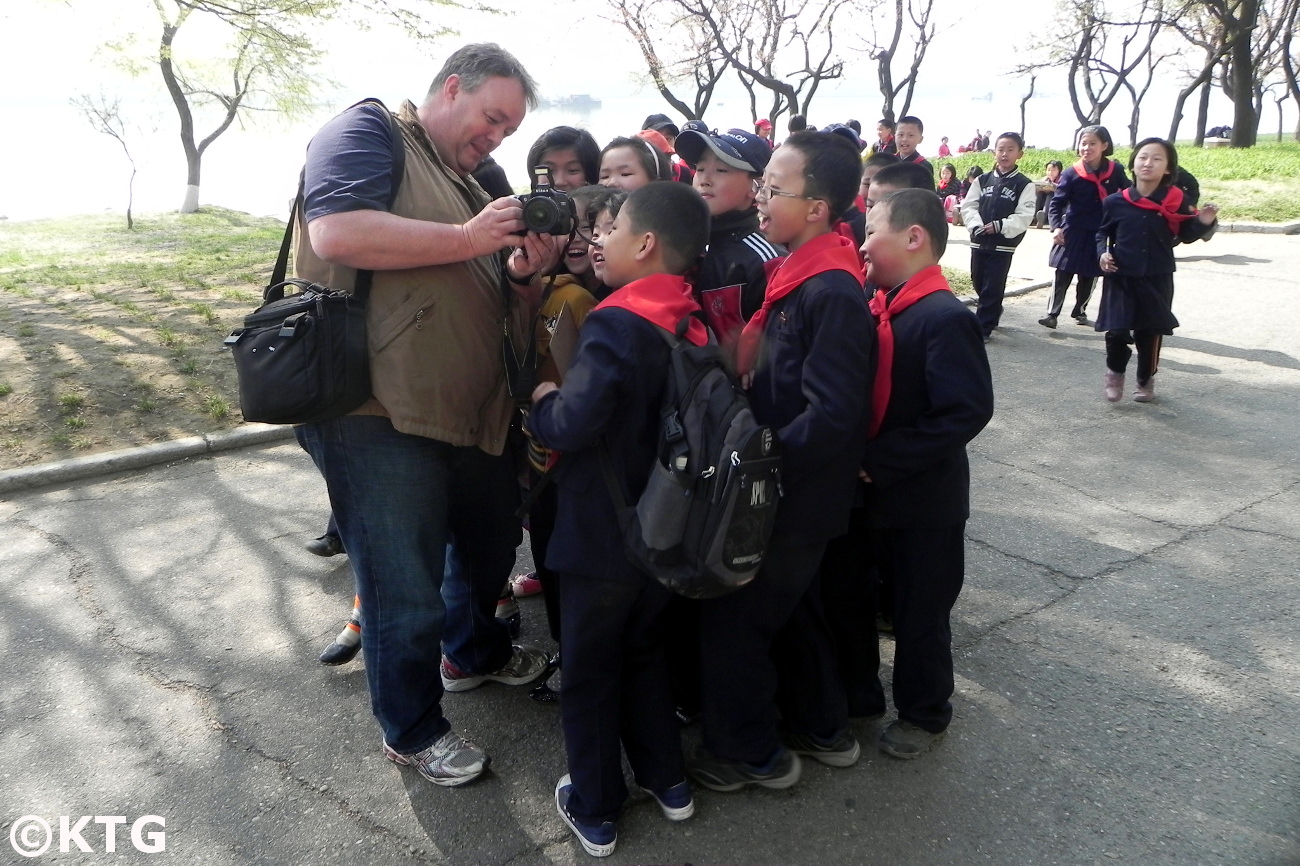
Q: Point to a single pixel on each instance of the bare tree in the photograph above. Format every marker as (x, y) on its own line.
(1238, 19)
(914, 16)
(1137, 95)
(1103, 53)
(700, 64)
(786, 47)
(1290, 60)
(268, 62)
(1024, 101)
(781, 50)
(1198, 27)
(106, 117)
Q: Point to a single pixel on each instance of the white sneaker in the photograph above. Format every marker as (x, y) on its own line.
(451, 761)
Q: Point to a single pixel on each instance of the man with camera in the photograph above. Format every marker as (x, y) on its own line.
(419, 477)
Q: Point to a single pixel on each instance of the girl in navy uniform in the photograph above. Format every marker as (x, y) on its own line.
(1135, 249)
(1074, 214)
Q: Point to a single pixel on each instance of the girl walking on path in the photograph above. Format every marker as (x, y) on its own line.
(1135, 248)
(1074, 214)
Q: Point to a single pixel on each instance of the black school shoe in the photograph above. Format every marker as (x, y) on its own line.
(720, 774)
(325, 545)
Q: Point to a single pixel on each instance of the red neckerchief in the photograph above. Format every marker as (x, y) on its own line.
(663, 300)
(916, 158)
(923, 282)
(826, 252)
(1166, 207)
(1100, 178)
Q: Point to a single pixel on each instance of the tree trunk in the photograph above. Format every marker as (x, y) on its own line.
(1202, 115)
(1245, 122)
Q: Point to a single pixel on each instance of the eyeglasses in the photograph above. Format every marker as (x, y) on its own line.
(765, 192)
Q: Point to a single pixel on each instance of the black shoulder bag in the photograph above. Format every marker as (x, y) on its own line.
(302, 357)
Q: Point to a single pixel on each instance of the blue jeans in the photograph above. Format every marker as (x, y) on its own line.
(411, 510)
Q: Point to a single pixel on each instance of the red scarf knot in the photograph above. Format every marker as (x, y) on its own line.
(826, 252)
(663, 300)
(1103, 174)
(1167, 207)
(924, 282)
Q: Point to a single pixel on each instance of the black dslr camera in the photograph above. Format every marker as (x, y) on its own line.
(547, 210)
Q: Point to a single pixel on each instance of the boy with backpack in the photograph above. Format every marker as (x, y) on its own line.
(805, 357)
(615, 690)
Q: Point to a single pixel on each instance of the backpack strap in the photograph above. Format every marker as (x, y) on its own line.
(364, 278)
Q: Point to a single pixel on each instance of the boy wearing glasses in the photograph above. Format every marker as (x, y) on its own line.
(805, 358)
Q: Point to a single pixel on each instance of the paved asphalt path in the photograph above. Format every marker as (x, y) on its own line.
(1127, 645)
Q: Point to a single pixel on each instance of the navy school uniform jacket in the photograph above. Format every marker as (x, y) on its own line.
(940, 399)
(917, 159)
(1075, 207)
(611, 393)
(813, 384)
(1139, 238)
(735, 257)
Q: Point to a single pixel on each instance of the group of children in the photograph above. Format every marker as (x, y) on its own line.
(1102, 223)
(816, 267)
(873, 440)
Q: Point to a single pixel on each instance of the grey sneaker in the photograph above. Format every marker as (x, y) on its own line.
(1048, 321)
(719, 774)
(841, 751)
(524, 666)
(905, 740)
(451, 761)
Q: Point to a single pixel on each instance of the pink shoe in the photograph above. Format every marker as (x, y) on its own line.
(1114, 386)
(524, 585)
(1145, 393)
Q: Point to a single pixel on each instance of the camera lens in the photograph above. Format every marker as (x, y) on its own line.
(541, 215)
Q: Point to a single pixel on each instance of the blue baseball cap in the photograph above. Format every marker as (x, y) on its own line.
(738, 148)
(845, 131)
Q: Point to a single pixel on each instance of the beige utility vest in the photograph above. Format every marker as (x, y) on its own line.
(435, 333)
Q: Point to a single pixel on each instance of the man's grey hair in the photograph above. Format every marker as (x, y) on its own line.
(475, 64)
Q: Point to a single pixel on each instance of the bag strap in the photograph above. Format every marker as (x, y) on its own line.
(364, 278)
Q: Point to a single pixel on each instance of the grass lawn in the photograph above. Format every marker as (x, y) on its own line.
(111, 338)
(1258, 184)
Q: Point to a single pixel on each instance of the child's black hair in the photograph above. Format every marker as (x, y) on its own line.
(914, 120)
(797, 123)
(1171, 154)
(880, 160)
(832, 170)
(917, 207)
(1102, 133)
(676, 215)
(905, 175)
(1056, 164)
(568, 138)
(886, 123)
(1014, 136)
(608, 198)
(973, 172)
(655, 162)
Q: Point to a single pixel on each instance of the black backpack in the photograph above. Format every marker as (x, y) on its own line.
(702, 525)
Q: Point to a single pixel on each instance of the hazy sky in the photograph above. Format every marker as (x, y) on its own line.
(56, 163)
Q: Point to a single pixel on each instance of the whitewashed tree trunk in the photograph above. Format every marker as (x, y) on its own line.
(191, 199)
